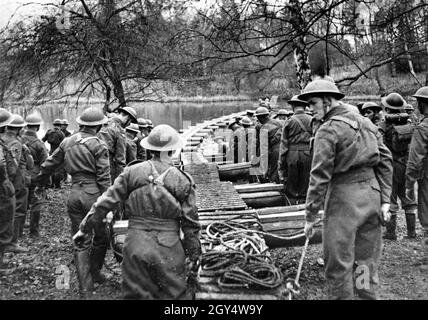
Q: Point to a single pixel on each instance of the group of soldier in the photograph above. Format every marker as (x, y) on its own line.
(353, 163)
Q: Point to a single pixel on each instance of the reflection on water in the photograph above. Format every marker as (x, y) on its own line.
(177, 115)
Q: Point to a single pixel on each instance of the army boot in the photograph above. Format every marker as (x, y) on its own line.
(98, 254)
(14, 246)
(390, 228)
(411, 225)
(34, 224)
(4, 268)
(82, 262)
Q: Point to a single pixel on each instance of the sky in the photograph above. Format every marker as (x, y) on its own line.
(8, 7)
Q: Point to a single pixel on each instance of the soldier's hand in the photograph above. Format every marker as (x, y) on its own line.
(309, 229)
(385, 215)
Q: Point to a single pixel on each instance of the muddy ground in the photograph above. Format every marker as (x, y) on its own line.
(42, 273)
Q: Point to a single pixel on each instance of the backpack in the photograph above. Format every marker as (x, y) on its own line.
(401, 136)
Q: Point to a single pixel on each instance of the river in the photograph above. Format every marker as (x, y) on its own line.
(179, 115)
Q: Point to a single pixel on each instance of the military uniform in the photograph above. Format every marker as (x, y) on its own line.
(85, 158)
(141, 152)
(274, 131)
(417, 169)
(159, 201)
(398, 184)
(39, 154)
(114, 137)
(66, 133)
(8, 167)
(54, 137)
(131, 150)
(351, 177)
(19, 180)
(295, 155)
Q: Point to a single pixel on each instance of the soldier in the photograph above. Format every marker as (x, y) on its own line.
(39, 153)
(412, 115)
(131, 148)
(159, 200)
(20, 180)
(239, 142)
(54, 137)
(294, 163)
(351, 179)
(372, 111)
(141, 153)
(114, 136)
(274, 129)
(416, 169)
(283, 115)
(64, 126)
(8, 168)
(149, 126)
(85, 158)
(397, 134)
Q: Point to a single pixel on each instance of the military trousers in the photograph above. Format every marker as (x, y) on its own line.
(352, 236)
(423, 202)
(298, 172)
(82, 196)
(153, 264)
(7, 213)
(399, 191)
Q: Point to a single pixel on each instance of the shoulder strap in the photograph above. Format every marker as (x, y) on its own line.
(304, 128)
(352, 123)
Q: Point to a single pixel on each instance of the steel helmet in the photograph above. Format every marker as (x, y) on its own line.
(371, 105)
(283, 112)
(261, 111)
(57, 121)
(142, 123)
(65, 121)
(149, 123)
(409, 107)
(133, 127)
(5, 117)
(129, 111)
(295, 101)
(394, 101)
(17, 121)
(92, 117)
(162, 138)
(245, 121)
(320, 87)
(422, 93)
(33, 120)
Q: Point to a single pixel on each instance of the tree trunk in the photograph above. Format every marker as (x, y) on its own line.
(303, 69)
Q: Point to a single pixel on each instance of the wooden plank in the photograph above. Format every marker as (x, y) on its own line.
(259, 187)
(273, 210)
(262, 195)
(234, 166)
(283, 226)
(287, 216)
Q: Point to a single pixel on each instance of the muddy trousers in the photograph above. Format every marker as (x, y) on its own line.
(89, 254)
(352, 237)
(7, 214)
(21, 196)
(155, 270)
(423, 215)
(298, 172)
(35, 204)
